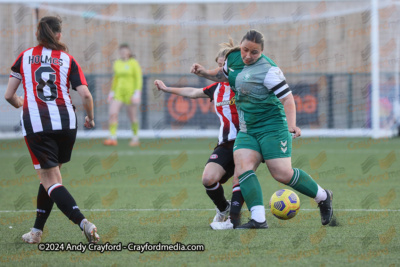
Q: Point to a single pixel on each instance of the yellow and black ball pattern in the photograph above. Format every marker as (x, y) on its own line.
(284, 204)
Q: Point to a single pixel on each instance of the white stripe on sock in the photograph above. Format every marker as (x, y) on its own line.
(236, 188)
(296, 176)
(241, 180)
(213, 188)
(51, 188)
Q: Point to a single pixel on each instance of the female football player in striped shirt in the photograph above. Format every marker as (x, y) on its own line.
(48, 120)
(220, 165)
(267, 119)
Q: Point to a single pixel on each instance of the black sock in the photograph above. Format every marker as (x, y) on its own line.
(236, 205)
(65, 202)
(216, 193)
(44, 204)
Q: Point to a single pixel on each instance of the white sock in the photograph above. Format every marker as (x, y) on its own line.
(321, 195)
(258, 213)
(34, 230)
(82, 222)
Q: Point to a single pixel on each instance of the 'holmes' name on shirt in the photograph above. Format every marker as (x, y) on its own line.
(45, 60)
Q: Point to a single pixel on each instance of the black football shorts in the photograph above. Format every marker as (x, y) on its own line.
(51, 148)
(223, 156)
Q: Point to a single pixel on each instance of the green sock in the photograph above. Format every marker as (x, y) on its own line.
(251, 189)
(113, 129)
(135, 128)
(303, 183)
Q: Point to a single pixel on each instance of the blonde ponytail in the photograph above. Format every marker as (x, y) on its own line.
(227, 48)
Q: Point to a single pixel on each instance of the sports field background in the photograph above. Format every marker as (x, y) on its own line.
(326, 49)
(154, 194)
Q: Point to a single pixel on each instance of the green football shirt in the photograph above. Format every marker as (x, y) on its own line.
(258, 88)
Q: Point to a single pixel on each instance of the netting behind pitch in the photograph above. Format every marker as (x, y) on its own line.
(323, 48)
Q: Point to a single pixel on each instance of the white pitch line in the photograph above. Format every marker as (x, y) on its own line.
(129, 210)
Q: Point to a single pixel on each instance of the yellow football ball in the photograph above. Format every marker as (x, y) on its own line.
(284, 204)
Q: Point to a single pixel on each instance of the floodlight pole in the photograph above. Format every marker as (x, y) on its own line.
(375, 69)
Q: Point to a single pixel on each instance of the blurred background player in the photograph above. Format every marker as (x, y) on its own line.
(126, 90)
(220, 165)
(49, 122)
(267, 118)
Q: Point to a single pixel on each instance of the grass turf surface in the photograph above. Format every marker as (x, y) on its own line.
(164, 176)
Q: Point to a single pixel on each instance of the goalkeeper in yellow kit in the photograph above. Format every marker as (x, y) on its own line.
(126, 90)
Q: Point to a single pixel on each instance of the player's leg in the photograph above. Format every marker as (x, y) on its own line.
(282, 171)
(114, 108)
(133, 117)
(277, 151)
(49, 150)
(44, 203)
(65, 202)
(247, 157)
(246, 163)
(65, 143)
(225, 159)
(237, 201)
(212, 174)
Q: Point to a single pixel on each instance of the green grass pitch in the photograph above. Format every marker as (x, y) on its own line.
(154, 193)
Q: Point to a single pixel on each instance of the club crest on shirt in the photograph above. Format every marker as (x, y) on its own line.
(214, 156)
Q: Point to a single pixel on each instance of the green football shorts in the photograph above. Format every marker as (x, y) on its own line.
(271, 145)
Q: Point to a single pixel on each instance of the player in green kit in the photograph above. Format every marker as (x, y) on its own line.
(267, 121)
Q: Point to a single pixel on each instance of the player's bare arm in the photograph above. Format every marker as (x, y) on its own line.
(190, 92)
(290, 112)
(87, 101)
(215, 75)
(11, 95)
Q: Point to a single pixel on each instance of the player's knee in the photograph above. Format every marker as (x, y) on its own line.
(208, 179)
(244, 165)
